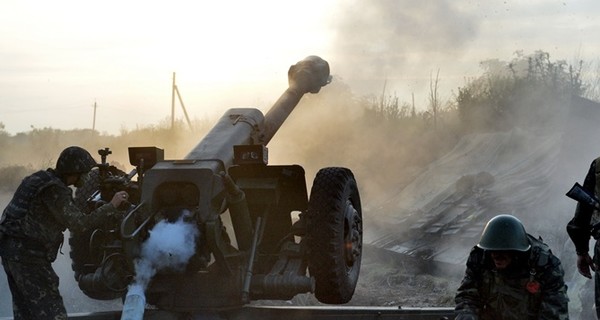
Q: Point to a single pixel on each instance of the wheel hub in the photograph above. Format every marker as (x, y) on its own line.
(352, 235)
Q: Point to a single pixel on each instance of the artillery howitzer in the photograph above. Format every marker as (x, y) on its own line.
(226, 174)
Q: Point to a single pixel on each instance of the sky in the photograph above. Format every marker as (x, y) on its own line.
(60, 58)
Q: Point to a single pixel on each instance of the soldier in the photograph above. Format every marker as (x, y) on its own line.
(582, 227)
(31, 232)
(511, 275)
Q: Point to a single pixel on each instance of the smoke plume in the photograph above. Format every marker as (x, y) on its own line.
(401, 41)
(169, 247)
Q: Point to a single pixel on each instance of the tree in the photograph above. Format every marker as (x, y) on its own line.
(520, 90)
(433, 97)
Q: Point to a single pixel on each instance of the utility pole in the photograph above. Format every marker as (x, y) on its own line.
(173, 103)
(174, 91)
(94, 122)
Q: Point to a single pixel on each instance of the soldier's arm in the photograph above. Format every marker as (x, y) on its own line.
(468, 298)
(554, 292)
(61, 205)
(579, 227)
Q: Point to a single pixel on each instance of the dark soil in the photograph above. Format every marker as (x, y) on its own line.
(388, 279)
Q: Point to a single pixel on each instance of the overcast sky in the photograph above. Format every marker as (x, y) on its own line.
(59, 57)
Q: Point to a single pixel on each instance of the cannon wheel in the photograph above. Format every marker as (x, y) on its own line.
(82, 260)
(334, 234)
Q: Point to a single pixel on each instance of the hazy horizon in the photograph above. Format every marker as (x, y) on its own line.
(60, 58)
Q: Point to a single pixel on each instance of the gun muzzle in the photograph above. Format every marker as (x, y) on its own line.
(579, 194)
(309, 75)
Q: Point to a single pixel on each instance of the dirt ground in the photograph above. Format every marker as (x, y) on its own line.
(389, 280)
(392, 280)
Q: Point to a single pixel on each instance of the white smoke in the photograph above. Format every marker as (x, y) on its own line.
(169, 247)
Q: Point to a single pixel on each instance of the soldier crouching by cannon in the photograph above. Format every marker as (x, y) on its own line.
(511, 275)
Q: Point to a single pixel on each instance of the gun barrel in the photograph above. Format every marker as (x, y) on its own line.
(243, 126)
(308, 75)
(236, 127)
(579, 194)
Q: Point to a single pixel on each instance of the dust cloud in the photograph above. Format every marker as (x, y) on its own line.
(395, 40)
(413, 177)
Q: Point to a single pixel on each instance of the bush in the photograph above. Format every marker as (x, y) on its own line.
(522, 91)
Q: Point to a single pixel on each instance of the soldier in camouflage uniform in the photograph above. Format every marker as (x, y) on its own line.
(511, 275)
(584, 225)
(31, 232)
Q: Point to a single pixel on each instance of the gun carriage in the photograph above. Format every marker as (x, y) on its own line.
(283, 243)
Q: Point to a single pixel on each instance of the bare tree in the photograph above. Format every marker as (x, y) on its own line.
(433, 96)
(591, 72)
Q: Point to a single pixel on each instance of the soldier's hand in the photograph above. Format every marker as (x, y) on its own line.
(584, 264)
(119, 198)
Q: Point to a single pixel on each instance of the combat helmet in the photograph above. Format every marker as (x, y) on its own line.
(74, 160)
(504, 232)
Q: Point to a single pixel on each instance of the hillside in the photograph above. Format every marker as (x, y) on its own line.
(439, 216)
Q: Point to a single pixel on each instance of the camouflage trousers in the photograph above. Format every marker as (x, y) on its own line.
(597, 293)
(597, 279)
(34, 289)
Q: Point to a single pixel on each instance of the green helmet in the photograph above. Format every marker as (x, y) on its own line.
(504, 232)
(74, 160)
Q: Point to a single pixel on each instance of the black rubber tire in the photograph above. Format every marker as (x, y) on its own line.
(80, 257)
(334, 235)
(82, 261)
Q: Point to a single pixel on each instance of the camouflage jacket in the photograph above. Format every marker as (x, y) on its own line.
(41, 209)
(580, 226)
(531, 288)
